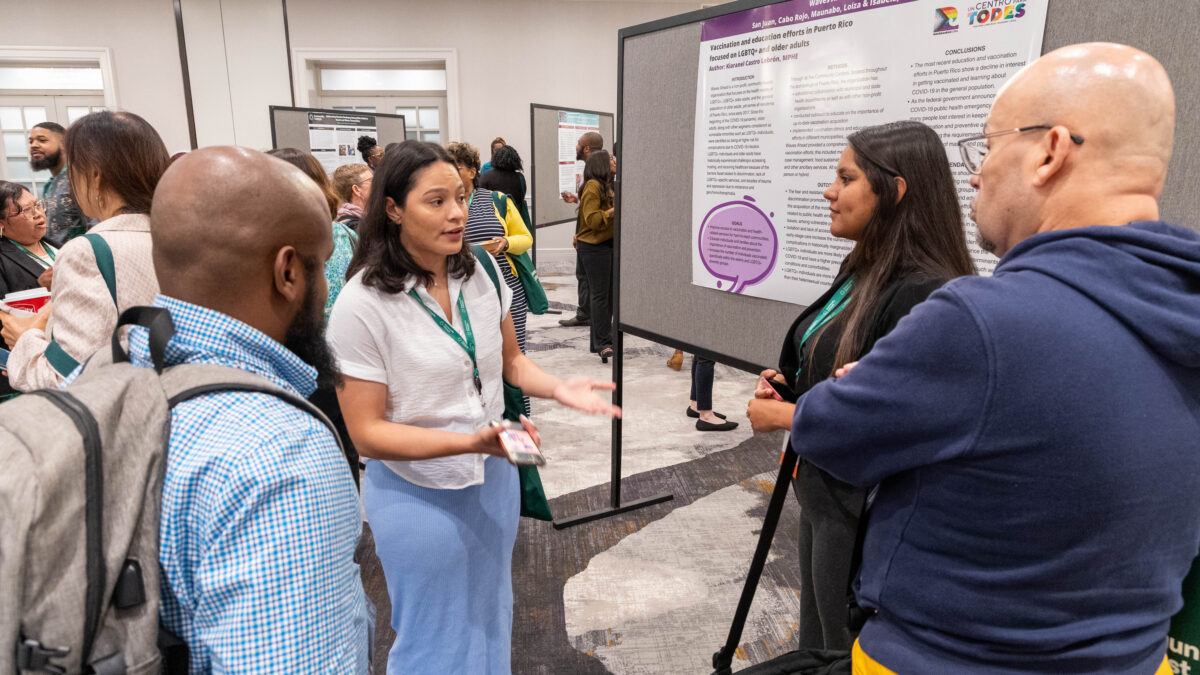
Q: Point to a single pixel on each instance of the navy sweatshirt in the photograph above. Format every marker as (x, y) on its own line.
(1036, 441)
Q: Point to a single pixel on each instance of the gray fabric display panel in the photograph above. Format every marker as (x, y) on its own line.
(657, 107)
(548, 207)
(289, 127)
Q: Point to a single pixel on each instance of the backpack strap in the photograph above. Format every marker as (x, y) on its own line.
(104, 261)
(56, 356)
(186, 382)
(485, 259)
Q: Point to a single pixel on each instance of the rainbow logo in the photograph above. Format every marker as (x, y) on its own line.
(947, 20)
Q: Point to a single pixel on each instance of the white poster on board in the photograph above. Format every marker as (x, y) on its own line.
(572, 125)
(333, 137)
(780, 89)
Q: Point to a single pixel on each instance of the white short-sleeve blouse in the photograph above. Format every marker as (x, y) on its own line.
(388, 338)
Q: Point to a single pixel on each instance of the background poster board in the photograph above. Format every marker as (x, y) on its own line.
(547, 206)
(571, 126)
(779, 89)
(657, 81)
(333, 137)
(321, 132)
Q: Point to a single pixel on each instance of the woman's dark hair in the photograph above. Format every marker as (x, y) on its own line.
(312, 168)
(506, 159)
(599, 168)
(922, 235)
(465, 154)
(365, 145)
(124, 150)
(386, 265)
(9, 193)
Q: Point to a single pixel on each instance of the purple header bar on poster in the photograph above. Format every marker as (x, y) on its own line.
(786, 14)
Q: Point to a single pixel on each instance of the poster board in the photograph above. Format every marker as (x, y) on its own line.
(332, 135)
(657, 90)
(552, 132)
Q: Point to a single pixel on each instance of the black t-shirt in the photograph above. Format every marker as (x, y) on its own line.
(510, 183)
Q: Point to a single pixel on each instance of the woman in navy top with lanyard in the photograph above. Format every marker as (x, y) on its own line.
(424, 342)
(893, 196)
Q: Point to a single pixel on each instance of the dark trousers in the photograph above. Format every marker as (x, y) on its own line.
(829, 514)
(585, 297)
(597, 262)
(702, 382)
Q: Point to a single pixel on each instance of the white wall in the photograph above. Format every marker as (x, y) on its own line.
(510, 52)
(145, 51)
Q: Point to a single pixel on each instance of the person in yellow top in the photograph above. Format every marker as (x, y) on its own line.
(594, 240)
(502, 237)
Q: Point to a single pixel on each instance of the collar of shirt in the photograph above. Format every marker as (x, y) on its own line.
(204, 335)
(455, 287)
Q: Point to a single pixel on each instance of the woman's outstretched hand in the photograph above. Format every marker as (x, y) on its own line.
(579, 393)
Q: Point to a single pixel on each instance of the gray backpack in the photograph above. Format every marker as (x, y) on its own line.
(80, 495)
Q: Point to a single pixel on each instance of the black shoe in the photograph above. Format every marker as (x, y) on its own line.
(693, 413)
(709, 426)
(605, 354)
(574, 321)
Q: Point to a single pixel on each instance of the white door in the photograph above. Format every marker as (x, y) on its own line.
(19, 114)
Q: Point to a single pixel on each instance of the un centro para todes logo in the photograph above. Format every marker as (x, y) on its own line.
(738, 244)
(947, 20)
(994, 11)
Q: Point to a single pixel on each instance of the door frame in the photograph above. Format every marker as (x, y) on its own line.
(303, 60)
(101, 56)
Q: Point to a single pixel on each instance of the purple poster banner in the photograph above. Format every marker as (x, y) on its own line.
(784, 14)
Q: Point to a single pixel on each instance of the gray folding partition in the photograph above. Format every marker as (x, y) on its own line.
(548, 208)
(656, 108)
(289, 126)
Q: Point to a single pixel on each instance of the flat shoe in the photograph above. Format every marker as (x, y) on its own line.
(709, 426)
(693, 413)
(574, 321)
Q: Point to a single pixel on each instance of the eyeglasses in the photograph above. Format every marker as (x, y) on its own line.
(974, 149)
(39, 205)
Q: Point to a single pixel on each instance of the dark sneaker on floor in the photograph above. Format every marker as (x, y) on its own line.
(574, 321)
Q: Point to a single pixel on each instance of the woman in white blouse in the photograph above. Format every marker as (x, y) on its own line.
(424, 343)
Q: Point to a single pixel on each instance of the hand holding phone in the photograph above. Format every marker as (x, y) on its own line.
(520, 444)
(764, 385)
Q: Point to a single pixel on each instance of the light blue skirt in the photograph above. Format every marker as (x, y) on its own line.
(447, 558)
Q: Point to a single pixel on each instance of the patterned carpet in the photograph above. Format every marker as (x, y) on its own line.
(654, 590)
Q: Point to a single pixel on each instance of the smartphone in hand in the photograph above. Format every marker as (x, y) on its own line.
(521, 449)
(773, 386)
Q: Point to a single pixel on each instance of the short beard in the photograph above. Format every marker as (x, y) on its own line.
(46, 162)
(305, 336)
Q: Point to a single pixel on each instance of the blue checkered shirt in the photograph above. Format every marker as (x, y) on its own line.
(260, 516)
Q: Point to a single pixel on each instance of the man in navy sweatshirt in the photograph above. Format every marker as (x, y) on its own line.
(1035, 435)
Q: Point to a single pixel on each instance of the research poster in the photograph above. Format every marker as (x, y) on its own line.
(572, 125)
(782, 86)
(333, 137)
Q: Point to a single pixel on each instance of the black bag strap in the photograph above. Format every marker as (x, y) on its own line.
(723, 659)
(287, 397)
(89, 430)
(158, 321)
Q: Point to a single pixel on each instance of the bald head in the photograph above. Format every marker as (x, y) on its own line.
(1116, 99)
(228, 224)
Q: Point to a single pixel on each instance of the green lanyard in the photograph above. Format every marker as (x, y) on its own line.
(468, 345)
(831, 309)
(31, 254)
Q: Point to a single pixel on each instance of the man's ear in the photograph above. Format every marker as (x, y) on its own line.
(394, 213)
(1053, 151)
(901, 188)
(289, 274)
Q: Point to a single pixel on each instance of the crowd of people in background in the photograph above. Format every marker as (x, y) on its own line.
(992, 449)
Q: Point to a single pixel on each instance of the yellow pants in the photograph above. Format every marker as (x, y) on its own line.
(865, 665)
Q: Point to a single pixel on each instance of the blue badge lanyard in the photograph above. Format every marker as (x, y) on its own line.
(468, 345)
(831, 309)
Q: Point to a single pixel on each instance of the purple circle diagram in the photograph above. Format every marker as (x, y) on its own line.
(738, 244)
